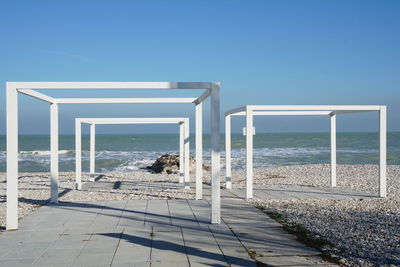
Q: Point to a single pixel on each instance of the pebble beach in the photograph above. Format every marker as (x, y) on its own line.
(363, 232)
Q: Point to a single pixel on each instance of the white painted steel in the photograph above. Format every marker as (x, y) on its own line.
(203, 97)
(228, 167)
(284, 113)
(12, 157)
(181, 121)
(235, 110)
(37, 95)
(382, 151)
(186, 154)
(199, 150)
(253, 130)
(330, 110)
(112, 85)
(350, 111)
(249, 153)
(78, 155)
(333, 150)
(92, 153)
(54, 153)
(125, 100)
(215, 154)
(27, 88)
(315, 107)
(181, 152)
(131, 120)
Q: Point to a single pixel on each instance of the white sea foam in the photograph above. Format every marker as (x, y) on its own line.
(128, 161)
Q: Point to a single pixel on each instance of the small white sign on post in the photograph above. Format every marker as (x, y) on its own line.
(244, 131)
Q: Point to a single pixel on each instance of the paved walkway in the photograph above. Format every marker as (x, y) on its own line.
(152, 233)
(300, 192)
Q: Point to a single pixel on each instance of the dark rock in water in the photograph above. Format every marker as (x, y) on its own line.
(170, 164)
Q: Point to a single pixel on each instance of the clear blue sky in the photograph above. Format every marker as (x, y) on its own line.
(263, 52)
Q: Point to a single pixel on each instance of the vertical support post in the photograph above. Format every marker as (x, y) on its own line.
(78, 155)
(228, 159)
(181, 151)
(199, 150)
(54, 152)
(187, 154)
(249, 153)
(12, 157)
(215, 154)
(382, 151)
(92, 151)
(333, 150)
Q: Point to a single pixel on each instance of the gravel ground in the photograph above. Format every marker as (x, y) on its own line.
(362, 178)
(364, 232)
(34, 190)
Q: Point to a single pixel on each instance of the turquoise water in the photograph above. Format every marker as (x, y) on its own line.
(131, 152)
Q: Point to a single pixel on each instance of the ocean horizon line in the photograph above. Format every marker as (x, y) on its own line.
(206, 133)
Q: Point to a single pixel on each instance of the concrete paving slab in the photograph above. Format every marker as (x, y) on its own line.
(156, 233)
(295, 261)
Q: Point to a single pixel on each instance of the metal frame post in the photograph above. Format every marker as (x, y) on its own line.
(181, 151)
(333, 150)
(12, 157)
(332, 110)
(92, 153)
(78, 155)
(28, 88)
(215, 154)
(199, 150)
(228, 159)
(382, 151)
(181, 121)
(54, 153)
(249, 153)
(187, 155)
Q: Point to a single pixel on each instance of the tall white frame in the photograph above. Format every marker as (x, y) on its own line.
(184, 177)
(212, 90)
(294, 110)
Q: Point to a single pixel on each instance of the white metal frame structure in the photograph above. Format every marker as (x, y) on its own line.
(295, 110)
(212, 90)
(184, 144)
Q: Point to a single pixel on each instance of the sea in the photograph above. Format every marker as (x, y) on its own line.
(133, 152)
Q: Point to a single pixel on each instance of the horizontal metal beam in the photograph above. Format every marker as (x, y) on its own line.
(350, 111)
(37, 95)
(111, 85)
(203, 97)
(285, 113)
(315, 107)
(130, 120)
(235, 110)
(124, 100)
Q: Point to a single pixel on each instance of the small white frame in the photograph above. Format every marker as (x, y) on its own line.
(184, 144)
(299, 110)
(212, 90)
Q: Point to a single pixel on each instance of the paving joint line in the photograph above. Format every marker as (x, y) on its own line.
(122, 213)
(44, 251)
(115, 251)
(216, 241)
(151, 244)
(169, 212)
(80, 252)
(184, 244)
(145, 212)
(194, 215)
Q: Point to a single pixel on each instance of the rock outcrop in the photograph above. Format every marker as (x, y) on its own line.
(170, 164)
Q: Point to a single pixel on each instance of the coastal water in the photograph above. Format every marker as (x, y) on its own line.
(124, 153)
